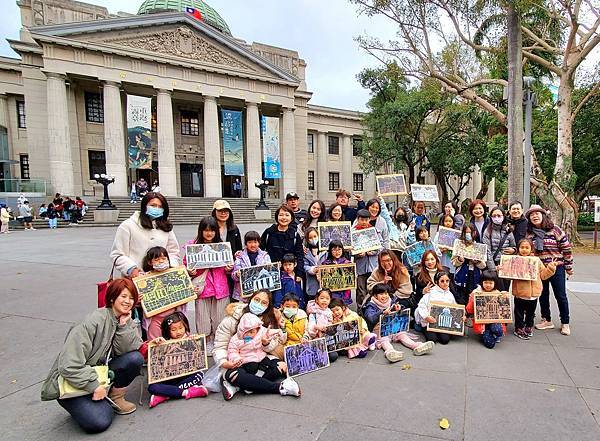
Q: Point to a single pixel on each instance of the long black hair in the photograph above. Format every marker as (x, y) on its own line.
(162, 223)
(230, 222)
(322, 216)
(208, 223)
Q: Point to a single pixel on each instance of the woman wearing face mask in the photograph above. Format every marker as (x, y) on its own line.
(499, 240)
(312, 260)
(401, 231)
(146, 228)
(261, 305)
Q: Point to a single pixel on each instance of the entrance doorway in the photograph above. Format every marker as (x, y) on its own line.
(229, 189)
(149, 174)
(192, 179)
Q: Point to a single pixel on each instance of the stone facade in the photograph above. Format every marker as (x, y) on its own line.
(71, 50)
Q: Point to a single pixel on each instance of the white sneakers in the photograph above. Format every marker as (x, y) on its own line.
(227, 389)
(424, 348)
(565, 329)
(394, 356)
(289, 387)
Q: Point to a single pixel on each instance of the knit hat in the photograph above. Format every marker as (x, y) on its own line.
(221, 204)
(247, 322)
(535, 208)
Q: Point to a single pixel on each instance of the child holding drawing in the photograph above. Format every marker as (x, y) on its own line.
(446, 253)
(341, 313)
(252, 255)
(254, 371)
(468, 271)
(319, 317)
(335, 256)
(381, 303)
(210, 284)
(491, 333)
(173, 327)
(155, 262)
(312, 260)
(290, 282)
(527, 292)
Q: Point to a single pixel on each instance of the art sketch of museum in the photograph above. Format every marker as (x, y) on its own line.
(218, 108)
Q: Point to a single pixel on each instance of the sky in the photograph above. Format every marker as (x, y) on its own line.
(322, 32)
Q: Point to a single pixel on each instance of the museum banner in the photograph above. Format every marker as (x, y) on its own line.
(233, 142)
(270, 135)
(139, 125)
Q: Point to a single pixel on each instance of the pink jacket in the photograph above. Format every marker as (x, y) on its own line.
(215, 285)
(317, 316)
(247, 352)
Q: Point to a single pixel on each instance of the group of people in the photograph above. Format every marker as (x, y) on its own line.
(140, 188)
(246, 336)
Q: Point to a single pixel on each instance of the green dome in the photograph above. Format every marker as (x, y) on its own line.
(209, 15)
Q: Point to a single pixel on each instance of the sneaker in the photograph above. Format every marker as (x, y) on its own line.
(394, 356)
(227, 389)
(290, 387)
(424, 348)
(372, 342)
(565, 329)
(196, 392)
(544, 324)
(155, 400)
(521, 334)
(529, 331)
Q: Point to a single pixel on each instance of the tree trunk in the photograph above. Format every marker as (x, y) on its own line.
(515, 104)
(563, 208)
(485, 185)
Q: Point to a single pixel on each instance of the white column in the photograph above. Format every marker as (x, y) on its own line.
(212, 149)
(4, 122)
(59, 138)
(114, 138)
(253, 151)
(491, 193)
(476, 181)
(167, 172)
(322, 170)
(288, 165)
(347, 174)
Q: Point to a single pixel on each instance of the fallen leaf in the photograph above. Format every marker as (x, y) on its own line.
(444, 424)
(14, 381)
(550, 389)
(406, 367)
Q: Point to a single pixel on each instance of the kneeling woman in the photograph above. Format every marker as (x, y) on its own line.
(107, 335)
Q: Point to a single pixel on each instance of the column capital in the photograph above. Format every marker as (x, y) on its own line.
(55, 75)
(3, 96)
(164, 92)
(209, 97)
(108, 83)
(251, 103)
(287, 109)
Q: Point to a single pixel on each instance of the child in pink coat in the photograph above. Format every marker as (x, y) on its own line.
(319, 314)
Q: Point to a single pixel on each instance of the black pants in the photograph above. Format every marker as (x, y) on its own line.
(96, 416)
(436, 337)
(524, 312)
(256, 377)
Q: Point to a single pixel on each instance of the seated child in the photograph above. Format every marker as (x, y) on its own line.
(252, 255)
(335, 256)
(381, 303)
(341, 313)
(255, 371)
(491, 333)
(290, 283)
(319, 317)
(440, 292)
(174, 326)
(293, 320)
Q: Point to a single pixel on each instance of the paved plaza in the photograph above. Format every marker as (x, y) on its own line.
(544, 389)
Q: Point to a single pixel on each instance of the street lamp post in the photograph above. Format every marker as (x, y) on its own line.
(262, 186)
(529, 100)
(105, 180)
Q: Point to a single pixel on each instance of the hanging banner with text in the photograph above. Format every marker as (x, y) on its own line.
(233, 142)
(270, 135)
(139, 125)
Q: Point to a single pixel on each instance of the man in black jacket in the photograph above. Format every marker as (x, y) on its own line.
(517, 221)
(342, 197)
(292, 201)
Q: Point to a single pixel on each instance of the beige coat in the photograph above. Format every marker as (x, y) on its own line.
(529, 289)
(132, 241)
(404, 291)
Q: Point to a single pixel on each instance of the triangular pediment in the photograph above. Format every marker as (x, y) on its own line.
(166, 36)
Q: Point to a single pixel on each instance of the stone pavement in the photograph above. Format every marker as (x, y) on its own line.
(546, 388)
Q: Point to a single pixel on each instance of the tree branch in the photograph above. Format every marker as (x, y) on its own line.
(540, 41)
(543, 62)
(593, 91)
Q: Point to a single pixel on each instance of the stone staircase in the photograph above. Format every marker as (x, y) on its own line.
(183, 211)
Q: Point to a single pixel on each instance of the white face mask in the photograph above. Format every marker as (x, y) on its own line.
(161, 266)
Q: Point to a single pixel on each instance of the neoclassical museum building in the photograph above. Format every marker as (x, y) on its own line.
(215, 106)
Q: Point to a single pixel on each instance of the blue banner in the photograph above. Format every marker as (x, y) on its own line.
(233, 142)
(271, 157)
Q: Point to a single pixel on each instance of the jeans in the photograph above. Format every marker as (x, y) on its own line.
(133, 196)
(53, 223)
(96, 416)
(559, 287)
(493, 332)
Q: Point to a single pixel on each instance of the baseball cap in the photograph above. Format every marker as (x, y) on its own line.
(291, 195)
(221, 204)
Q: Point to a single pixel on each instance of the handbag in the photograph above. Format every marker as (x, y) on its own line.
(103, 286)
(67, 390)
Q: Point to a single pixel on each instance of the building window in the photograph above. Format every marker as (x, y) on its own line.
(334, 181)
(94, 109)
(189, 123)
(356, 146)
(21, 114)
(97, 163)
(24, 161)
(311, 179)
(334, 145)
(310, 142)
(153, 123)
(357, 182)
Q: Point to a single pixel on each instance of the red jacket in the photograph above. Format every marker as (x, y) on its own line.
(478, 328)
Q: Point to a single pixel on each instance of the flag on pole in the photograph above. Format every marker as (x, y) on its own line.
(194, 13)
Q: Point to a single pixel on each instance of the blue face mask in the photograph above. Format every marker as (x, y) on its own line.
(247, 339)
(256, 308)
(468, 237)
(154, 213)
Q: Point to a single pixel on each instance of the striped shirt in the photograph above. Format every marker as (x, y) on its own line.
(557, 247)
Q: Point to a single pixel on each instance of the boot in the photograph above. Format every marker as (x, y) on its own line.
(124, 407)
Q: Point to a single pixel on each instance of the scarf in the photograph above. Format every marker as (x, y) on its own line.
(380, 305)
(538, 238)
